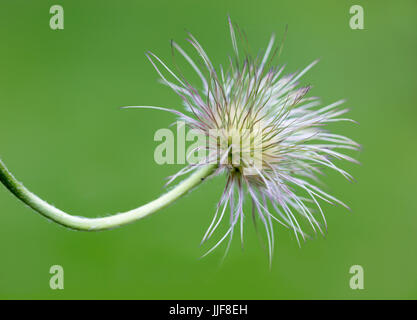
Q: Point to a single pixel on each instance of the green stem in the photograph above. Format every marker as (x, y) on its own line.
(110, 222)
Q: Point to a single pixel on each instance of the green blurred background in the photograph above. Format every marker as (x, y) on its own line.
(62, 134)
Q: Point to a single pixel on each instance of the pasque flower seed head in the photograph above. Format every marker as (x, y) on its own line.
(264, 133)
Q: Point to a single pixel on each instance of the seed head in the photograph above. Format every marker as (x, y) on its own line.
(264, 133)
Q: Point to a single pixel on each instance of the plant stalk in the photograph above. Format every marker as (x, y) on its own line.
(102, 223)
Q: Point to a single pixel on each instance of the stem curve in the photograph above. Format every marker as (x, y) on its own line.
(102, 223)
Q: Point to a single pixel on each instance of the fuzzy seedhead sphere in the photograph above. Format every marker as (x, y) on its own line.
(264, 133)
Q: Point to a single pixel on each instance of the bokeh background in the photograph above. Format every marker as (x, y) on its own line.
(63, 135)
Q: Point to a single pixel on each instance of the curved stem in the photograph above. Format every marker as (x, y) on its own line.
(110, 222)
